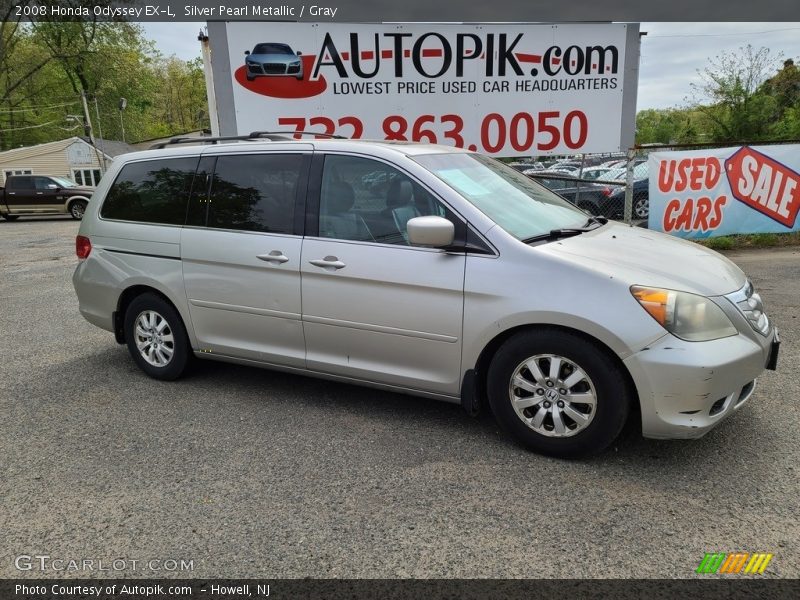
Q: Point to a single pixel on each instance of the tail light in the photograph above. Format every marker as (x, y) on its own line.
(606, 191)
(83, 246)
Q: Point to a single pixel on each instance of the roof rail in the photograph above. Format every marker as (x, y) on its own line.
(279, 135)
(199, 140)
(254, 135)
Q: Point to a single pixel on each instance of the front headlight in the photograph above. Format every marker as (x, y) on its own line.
(688, 316)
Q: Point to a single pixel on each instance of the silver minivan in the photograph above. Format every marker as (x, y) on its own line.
(420, 269)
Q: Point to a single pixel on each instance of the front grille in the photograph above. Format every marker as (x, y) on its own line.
(750, 305)
(254, 68)
(274, 68)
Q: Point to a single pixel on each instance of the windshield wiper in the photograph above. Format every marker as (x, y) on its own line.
(554, 234)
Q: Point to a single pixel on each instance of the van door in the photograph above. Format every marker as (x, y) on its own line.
(240, 250)
(374, 307)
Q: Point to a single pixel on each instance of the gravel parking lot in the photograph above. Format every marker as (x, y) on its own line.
(250, 473)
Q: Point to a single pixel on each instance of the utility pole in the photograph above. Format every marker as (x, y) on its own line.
(87, 126)
(100, 131)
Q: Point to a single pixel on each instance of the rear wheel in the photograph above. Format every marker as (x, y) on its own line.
(11, 217)
(156, 337)
(77, 209)
(558, 393)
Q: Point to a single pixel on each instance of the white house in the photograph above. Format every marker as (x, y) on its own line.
(73, 157)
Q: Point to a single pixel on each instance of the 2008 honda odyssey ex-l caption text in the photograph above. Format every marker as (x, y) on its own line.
(457, 279)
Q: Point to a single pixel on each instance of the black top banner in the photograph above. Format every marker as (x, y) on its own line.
(355, 11)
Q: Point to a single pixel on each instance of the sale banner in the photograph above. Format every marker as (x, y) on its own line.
(724, 191)
(501, 89)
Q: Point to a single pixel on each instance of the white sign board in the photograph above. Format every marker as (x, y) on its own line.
(505, 90)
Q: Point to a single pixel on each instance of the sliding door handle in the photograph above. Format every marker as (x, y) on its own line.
(330, 263)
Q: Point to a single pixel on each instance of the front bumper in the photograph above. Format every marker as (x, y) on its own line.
(687, 388)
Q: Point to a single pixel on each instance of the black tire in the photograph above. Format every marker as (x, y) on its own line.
(250, 78)
(77, 208)
(11, 217)
(181, 350)
(611, 390)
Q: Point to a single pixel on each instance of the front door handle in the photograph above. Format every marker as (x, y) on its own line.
(276, 256)
(331, 263)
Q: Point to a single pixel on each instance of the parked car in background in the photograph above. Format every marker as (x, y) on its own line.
(271, 60)
(594, 198)
(640, 206)
(594, 173)
(526, 166)
(42, 195)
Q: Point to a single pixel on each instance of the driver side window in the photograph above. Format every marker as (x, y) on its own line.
(367, 200)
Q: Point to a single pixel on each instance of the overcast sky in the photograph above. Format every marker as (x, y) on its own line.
(671, 52)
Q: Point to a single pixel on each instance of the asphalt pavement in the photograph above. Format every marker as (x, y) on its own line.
(250, 473)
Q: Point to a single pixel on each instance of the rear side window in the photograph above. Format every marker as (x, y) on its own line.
(254, 192)
(151, 191)
(20, 182)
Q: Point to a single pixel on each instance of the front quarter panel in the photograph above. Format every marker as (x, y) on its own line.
(524, 287)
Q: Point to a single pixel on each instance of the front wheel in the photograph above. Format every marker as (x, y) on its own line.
(156, 337)
(641, 208)
(558, 393)
(77, 209)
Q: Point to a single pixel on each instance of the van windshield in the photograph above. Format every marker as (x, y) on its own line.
(516, 203)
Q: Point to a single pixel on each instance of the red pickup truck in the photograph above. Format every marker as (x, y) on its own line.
(42, 195)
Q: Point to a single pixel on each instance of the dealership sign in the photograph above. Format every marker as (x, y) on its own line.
(705, 193)
(513, 89)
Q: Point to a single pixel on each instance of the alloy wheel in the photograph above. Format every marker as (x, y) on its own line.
(154, 338)
(552, 395)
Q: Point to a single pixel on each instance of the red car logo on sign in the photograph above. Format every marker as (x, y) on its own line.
(764, 184)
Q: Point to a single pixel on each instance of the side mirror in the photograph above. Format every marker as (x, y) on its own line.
(431, 231)
(299, 53)
(52, 186)
(247, 52)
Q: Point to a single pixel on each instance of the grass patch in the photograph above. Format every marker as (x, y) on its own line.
(752, 240)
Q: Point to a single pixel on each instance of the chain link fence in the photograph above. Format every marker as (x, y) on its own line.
(615, 186)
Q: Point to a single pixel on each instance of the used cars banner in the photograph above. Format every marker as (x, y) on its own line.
(724, 191)
(505, 90)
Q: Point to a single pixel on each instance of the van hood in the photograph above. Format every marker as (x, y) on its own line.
(641, 257)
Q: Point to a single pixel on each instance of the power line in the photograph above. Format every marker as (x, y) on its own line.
(34, 108)
(31, 126)
(683, 35)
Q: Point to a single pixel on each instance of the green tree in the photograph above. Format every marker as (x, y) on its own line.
(46, 66)
(737, 109)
